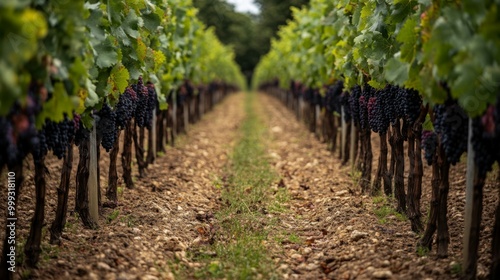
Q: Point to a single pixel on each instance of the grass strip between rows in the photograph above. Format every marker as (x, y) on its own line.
(239, 250)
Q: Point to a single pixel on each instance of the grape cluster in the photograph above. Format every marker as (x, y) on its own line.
(333, 97)
(412, 105)
(152, 103)
(344, 101)
(375, 115)
(429, 144)
(485, 139)
(308, 95)
(55, 137)
(399, 100)
(125, 108)
(316, 97)
(363, 112)
(81, 134)
(451, 124)
(18, 135)
(189, 88)
(354, 103)
(106, 127)
(8, 153)
(141, 111)
(407, 104)
(389, 103)
(363, 106)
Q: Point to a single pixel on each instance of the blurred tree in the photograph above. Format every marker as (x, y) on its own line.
(249, 34)
(273, 14)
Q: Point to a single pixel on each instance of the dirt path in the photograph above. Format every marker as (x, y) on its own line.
(340, 236)
(155, 223)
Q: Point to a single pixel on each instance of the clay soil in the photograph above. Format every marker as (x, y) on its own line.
(336, 233)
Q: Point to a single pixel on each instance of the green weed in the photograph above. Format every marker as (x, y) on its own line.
(113, 215)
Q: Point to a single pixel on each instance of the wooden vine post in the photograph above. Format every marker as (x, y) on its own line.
(93, 176)
(473, 211)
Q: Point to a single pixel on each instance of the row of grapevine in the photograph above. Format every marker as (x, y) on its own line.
(79, 72)
(424, 72)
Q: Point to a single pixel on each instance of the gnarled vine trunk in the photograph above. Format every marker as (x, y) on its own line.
(82, 189)
(414, 192)
(127, 156)
(399, 184)
(32, 248)
(430, 229)
(443, 235)
(112, 189)
(62, 198)
(139, 150)
(381, 174)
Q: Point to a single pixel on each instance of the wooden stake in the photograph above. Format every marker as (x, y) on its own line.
(93, 176)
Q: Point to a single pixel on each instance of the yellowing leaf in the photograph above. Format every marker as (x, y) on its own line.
(141, 50)
(118, 80)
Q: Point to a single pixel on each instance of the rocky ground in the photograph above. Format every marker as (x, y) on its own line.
(155, 223)
(334, 232)
(341, 237)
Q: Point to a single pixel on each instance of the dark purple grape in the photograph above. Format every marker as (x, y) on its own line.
(333, 97)
(429, 145)
(125, 108)
(55, 137)
(152, 104)
(106, 127)
(451, 124)
(141, 110)
(354, 103)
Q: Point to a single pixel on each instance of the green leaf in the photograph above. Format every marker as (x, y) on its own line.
(88, 120)
(396, 71)
(427, 125)
(141, 50)
(151, 21)
(407, 37)
(131, 24)
(92, 97)
(376, 84)
(58, 105)
(94, 24)
(118, 80)
(106, 55)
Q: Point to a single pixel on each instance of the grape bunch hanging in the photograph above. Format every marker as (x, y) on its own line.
(429, 145)
(451, 124)
(107, 130)
(485, 139)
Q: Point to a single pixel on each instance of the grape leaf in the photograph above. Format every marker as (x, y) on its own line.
(151, 21)
(118, 80)
(106, 55)
(396, 71)
(408, 40)
(60, 104)
(131, 24)
(92, 97)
